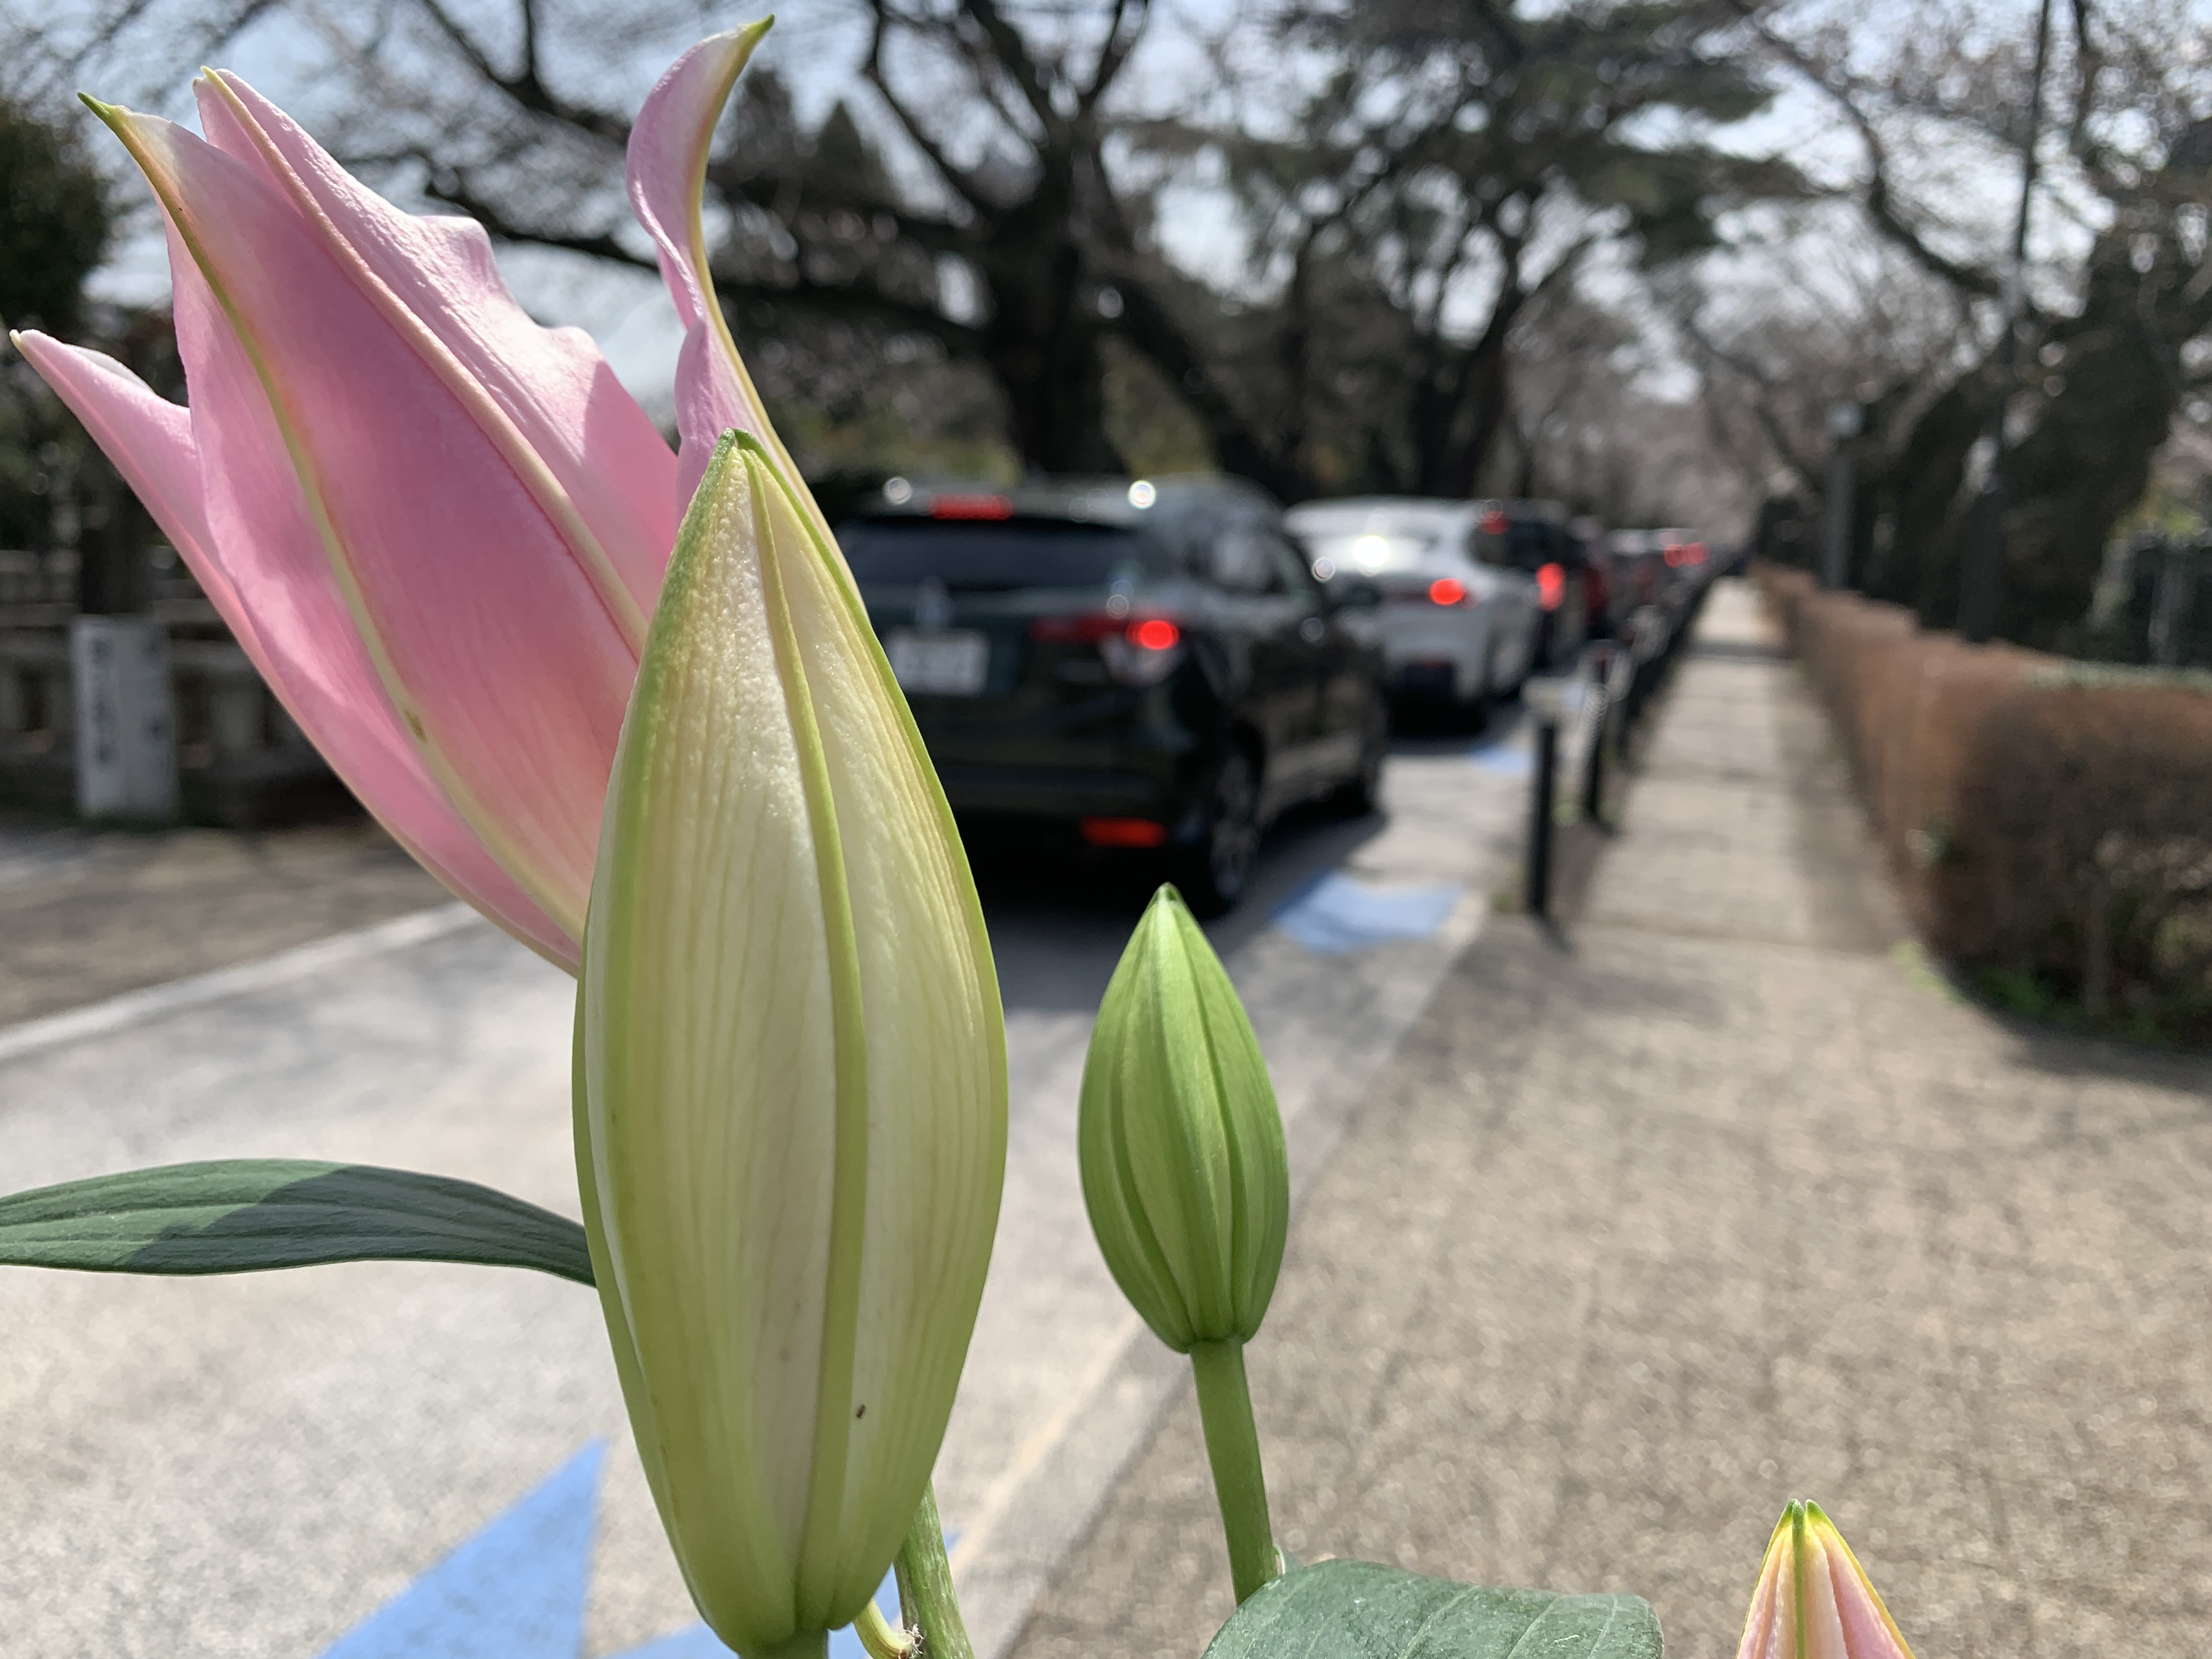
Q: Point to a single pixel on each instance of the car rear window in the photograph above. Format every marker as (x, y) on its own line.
(1371, 551)
(1014, 553)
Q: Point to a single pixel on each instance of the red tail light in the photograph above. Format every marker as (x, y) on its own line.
(971, 507)
(1137, 651)
(1445, 591)
(1495, 524)
(1551, 585)
(1124, 832)
(1154, 634)
(1150, 633)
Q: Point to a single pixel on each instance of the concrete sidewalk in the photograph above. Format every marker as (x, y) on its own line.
(1711, 1198)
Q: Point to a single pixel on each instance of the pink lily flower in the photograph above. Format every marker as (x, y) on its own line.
(669, 146)
(1813, 1600)
(438, 528)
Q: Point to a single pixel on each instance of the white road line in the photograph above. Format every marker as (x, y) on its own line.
(158, 1001)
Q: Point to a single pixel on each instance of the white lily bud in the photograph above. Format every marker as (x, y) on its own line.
(791, 1085)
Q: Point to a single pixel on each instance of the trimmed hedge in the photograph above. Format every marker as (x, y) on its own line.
(2049, 822)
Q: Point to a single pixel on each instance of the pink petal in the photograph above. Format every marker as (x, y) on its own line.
(506, 660)
(552, 384)
(1769, 1617)
(1822, 1628)
(669, 145)
(280, 600)
(148, 438)
(1863, 1624)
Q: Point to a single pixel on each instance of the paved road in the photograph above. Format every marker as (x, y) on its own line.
(1711, 1198)
(85, 915)
(255, 1466)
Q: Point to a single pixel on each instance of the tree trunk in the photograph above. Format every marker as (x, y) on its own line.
(1467, 411)
(2088, 459)
(1041, 343)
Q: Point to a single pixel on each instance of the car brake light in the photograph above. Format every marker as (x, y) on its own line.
(1551, 585)
(1495, 524)
(970, 507)
(1124, 832)
(1694, 553)
(1139, 651)
(1445, 591)
(1154, 634)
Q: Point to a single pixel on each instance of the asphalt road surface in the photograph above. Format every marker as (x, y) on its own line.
(380, 1459)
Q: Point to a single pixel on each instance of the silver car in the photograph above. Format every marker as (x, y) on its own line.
(1454, 631)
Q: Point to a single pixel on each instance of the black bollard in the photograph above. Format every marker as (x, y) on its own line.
(1542, 780)
(1594, 758)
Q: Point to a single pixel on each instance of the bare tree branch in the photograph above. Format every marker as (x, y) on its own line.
(1011, 54)
(525, 89)
(1880, 205)
(1114, 55)
(963, 182)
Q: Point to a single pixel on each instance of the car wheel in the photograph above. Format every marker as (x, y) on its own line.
(1214, 874)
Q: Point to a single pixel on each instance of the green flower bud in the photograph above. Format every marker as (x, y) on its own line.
(1184, 1172)
(791, 1079)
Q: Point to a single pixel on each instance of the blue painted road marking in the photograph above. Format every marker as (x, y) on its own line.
(700, 1643)
(1503, 760)
(1339, 913)
(516, 1589)
(697, 1643)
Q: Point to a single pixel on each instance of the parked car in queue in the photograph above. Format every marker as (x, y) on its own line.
(1142, 663)
(1455, 631)
(1532, 536)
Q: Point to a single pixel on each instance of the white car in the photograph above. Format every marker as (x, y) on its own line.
(1454, 631)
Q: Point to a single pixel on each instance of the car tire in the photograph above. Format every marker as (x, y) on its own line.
(1216, 873)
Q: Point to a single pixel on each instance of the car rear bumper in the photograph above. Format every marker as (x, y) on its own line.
(1433, 652)
(1064, 792)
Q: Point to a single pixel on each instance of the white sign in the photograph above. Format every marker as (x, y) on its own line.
(951, 664)
(126, 740)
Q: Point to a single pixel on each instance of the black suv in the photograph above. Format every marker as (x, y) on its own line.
(1148, 663)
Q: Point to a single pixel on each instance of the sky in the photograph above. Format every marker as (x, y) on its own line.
(815, 46)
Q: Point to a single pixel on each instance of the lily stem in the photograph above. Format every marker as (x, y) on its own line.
(924, 1583)
(878, 1639)
(1232, 1446)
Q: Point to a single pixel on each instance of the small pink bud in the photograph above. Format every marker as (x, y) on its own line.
(1813, 1600)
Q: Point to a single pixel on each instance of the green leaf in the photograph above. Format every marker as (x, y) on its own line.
(248, 1215)
(1357, 1610)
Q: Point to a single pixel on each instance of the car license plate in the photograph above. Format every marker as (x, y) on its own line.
(947, 664)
